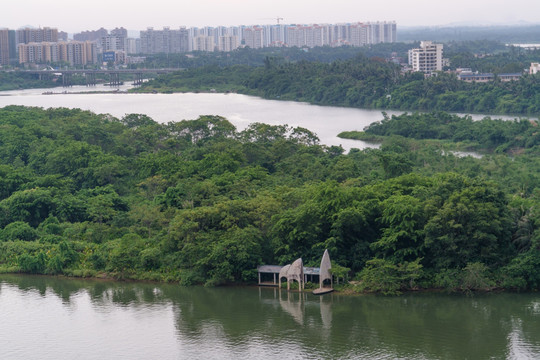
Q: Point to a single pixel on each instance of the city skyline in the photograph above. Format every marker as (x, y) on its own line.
(139, 16)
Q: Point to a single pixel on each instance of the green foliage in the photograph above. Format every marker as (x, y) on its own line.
(385, 277)
(33, 264)
(18, 230)
(488, 134)
(340, 273)
(476, 277)
(198, 202)
(523, 272)
(20, 80)
(469, 226)
(125, 254)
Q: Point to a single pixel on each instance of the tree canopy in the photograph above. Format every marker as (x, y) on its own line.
(198, 201)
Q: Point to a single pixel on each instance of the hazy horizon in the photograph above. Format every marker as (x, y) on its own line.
(137, 16)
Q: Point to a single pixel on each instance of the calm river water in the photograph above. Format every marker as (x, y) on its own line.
(325, 121)
(56, 318)
(241, 110)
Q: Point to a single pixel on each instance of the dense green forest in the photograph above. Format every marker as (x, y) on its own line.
(198, 201)
(365, 83)
(489, 135)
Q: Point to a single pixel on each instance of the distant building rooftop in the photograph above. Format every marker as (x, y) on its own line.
(485, 77)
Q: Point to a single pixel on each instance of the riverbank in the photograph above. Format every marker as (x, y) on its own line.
(66, 92)
(358, 83)
(352, 288)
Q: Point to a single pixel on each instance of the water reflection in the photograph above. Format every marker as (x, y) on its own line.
(257, 323)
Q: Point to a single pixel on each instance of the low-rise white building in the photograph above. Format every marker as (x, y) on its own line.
(535, 67)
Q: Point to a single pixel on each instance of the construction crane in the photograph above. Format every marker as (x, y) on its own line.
(276, 18)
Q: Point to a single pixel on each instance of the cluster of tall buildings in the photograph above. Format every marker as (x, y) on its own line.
(223, 38)
(44, 45)
(48, 45)
(72, 52)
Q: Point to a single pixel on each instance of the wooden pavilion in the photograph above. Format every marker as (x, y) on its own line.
(271, 275)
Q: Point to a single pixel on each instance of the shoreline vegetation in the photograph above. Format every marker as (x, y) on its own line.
(360, 82)
(67, 92)
(198, 202)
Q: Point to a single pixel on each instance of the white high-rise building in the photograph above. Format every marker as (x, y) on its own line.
(257, 36)
(427, 58)
(296, 36)
(113, 43)
(227, 43)
(203, 43)
(316, 35)
(253, 37)
(359, 34)
(164, 41)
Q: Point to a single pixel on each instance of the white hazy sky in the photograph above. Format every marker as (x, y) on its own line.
(78, 15)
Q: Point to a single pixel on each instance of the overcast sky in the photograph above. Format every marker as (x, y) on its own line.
(75, 16)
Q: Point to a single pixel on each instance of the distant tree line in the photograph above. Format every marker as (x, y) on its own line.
(365, 83)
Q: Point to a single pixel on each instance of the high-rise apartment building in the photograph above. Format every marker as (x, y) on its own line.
(203, 43)
(383, 32)
(73, 52)
(316, 35)
(164, 41)
(295, 36)
(13, 57)
(427, 58)
(275, 35)
(29, 35)
(119, 32)
(133, 46)
(340, 34)
(113, 43)
(253, 37)
(359, 34)
(4, 47)
(91, 35)
(62, 36)
(228, 43)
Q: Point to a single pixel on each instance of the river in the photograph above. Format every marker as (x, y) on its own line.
(325, 121)
(241, 110)
(58, 318)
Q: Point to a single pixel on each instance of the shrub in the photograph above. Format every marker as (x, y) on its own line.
(475, 276)
(33, 264)
(18, 230)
